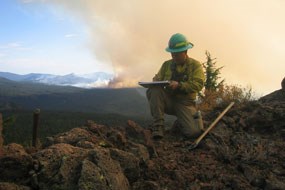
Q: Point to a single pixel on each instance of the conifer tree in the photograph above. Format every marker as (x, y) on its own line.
(212, 74)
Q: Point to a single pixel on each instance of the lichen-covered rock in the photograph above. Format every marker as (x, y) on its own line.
(15, 163)
(100, 171)
(13, 186)
(139, 150)
(59, 166)
(63, 166)
(91, 177)
(71, 137)
(128, 162)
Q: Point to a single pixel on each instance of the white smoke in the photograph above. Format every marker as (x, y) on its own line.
(132, 35)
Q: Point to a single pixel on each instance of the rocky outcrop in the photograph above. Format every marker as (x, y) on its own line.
(244, 151)
(15, 163)
(91, 157)
(275, 97)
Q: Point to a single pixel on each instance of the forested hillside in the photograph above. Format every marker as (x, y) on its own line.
(28, 96)
(63, 108)
(54, 122)
(11, 88)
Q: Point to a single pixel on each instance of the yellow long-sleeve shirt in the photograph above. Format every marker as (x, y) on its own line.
(193, 83)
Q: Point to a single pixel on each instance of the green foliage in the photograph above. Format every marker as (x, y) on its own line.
(212, 82)
(217, 92)
(236, 93)
(226, 94)
(9, 121)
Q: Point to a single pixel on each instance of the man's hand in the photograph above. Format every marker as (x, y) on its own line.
(173, 85)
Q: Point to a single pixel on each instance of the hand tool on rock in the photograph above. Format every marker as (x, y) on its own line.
(197, 141)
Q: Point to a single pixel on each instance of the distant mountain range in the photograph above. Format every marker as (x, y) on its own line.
(26, 95)
(97, 79)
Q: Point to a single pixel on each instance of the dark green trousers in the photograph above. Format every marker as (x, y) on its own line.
(161, 102)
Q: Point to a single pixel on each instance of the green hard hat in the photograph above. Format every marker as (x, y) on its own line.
(178, 43)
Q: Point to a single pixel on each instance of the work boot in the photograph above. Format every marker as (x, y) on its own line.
(157, 132)
(180, 134)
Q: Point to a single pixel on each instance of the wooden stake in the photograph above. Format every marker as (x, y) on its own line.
(36, 123)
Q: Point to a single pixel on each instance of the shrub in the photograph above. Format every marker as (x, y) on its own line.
(224, 95)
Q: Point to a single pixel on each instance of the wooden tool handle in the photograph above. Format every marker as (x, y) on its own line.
(214, 123)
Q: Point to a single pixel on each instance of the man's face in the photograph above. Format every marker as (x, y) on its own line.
(179, 57)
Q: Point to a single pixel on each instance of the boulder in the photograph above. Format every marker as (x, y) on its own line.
(15, 164)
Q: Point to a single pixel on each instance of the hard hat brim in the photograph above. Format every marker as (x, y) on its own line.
(175, 50)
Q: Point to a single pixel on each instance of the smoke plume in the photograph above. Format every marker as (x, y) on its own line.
(131, 36)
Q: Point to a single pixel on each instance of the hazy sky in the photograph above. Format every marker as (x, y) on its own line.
(128, 37)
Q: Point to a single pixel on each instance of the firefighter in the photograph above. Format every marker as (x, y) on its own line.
(186, 78)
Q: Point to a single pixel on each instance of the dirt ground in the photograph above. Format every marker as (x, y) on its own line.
(244, 151)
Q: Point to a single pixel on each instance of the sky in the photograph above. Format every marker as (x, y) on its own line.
(128, 38)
